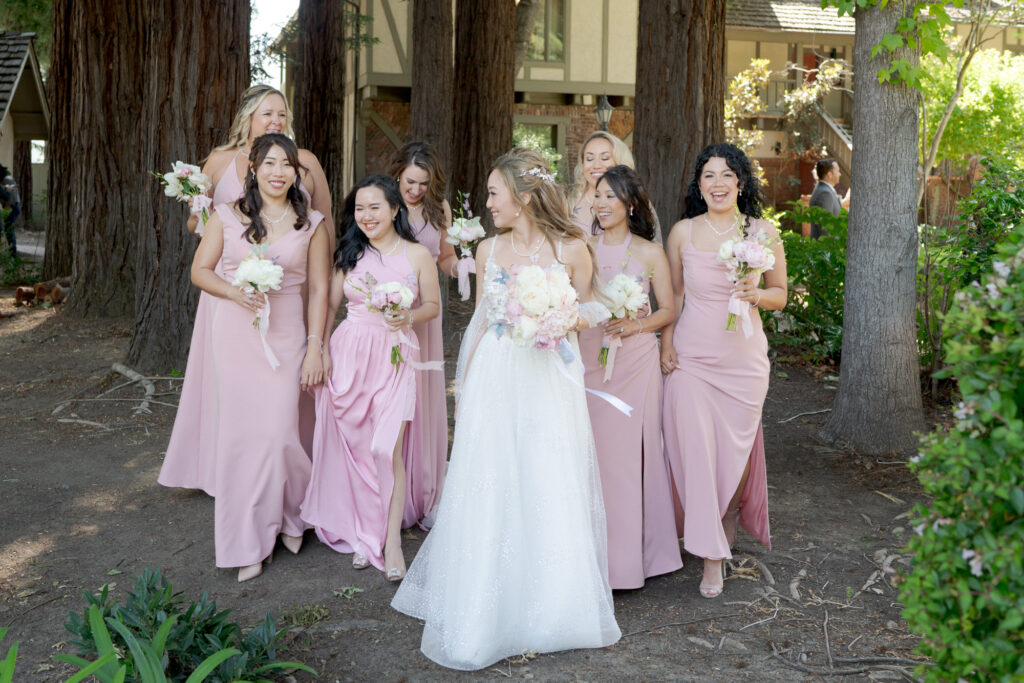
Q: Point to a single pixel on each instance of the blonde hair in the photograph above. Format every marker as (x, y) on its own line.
(525, 172)
(620, 155)
(251, 100)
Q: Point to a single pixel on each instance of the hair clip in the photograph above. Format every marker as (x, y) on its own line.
(538, 172)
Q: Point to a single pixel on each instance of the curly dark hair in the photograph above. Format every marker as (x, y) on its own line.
(354, 241)
(252, 201)
(751, 200)
(626, 185)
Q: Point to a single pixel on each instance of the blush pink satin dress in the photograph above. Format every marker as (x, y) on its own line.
(360, 411)
(712, 412)
(642, 539)
(262, 466)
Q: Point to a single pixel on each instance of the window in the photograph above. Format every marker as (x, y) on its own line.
(545, 135)
(547, 44)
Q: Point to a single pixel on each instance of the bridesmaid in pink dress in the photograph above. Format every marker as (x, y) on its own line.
(717, 380)
(599, 152)
(262, 467)
(189, 461)
(421, 181)
(356, 494)
(642, 538)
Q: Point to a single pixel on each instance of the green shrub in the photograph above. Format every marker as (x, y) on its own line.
(7, 663)
(197, 633)
(812, 322)
(965, 591)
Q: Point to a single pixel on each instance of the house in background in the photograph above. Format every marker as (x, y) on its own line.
(24, 116)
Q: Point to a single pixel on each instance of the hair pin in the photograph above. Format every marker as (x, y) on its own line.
(539, 173)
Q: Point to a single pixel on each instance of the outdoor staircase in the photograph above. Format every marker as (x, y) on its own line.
(838, 137)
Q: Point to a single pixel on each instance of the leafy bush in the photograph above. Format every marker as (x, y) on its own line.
(812, 322)
(965, 591)
(537, 136)
(196, 632)
(7, 663)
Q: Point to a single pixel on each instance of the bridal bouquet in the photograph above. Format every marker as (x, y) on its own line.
(187, 183)
(258, 274)
(464, 233)
(541, 308)
(752, 254)
(625, 297)
(389, 297)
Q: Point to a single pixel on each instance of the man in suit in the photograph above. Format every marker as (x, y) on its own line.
(11, 202)
(824, 195)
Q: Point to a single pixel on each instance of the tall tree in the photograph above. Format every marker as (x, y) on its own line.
(96, 144)
(878, 405)
(430, 112)
(680, 95)
(526, 18)
(484, 93)
(22, 172)
(192, 83)
(58, 255)
(320, 90)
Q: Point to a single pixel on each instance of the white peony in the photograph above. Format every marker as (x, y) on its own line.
(534, 300)
(524, 331)
(725, 251)
(404, 292)
(560, 287)
(531, 276)
(259, 273)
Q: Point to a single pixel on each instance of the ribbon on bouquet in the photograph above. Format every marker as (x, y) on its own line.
(398, 337)
(569, 358)
(609, 363)
(201, 204)
(262, 323)
(739, 309)
(465, 266)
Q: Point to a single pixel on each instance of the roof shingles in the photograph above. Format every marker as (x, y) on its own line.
(805, 16)
(14, 47)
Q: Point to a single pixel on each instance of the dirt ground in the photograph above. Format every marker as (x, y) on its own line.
(80, 507)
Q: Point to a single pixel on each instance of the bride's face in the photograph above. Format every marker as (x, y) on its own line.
(500, 202)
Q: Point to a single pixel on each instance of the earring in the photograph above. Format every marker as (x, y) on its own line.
(517, 212)
(631, 212)
(740, 193)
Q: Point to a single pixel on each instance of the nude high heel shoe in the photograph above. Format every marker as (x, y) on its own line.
(713, 590)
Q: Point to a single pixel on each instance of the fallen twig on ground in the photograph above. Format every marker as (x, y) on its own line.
(146, 383)
(685, 623)
(812, 412)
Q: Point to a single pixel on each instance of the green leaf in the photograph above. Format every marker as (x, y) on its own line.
(88, 668)
(892, 41)
(210, 663)
(1017, 499)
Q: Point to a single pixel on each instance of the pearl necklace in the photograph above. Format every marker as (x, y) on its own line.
(280, 218)
(732, 227)
(398, 241)
(532, 256)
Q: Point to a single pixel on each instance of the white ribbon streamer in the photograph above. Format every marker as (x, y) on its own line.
(609, 364)
(741, 309)
(464, 268)
(263, 316)
(568, 357)
(201, 204)
(398, 337)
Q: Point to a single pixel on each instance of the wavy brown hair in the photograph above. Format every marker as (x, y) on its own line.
(422, 155)
(250, 101)
(252, 201)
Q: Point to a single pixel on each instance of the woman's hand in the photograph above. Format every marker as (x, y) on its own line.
(254, 300)
(620, 329)
(325, 357)
(398, 320)
(312, 372)
(669, 362)
(746, 289)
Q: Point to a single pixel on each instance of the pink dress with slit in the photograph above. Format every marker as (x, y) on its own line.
(712, 412)
(360, 411)
(635, 482)
(425, 451)
(262, 466)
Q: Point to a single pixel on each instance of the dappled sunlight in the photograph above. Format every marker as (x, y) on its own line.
(21, 555)
(28, 321)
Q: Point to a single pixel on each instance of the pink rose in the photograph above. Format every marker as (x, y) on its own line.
(378, 299)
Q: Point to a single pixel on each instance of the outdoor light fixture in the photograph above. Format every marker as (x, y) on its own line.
(603, 112)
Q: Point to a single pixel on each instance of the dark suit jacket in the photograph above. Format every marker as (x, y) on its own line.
(825, 196)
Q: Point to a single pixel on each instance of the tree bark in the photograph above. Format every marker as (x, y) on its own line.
(192, 82)
(526, 18)
(22, 173)
(432, 75)
(484, 94)
(878, 405)
(320, 91)
(680, 95)
(59, 149)
(97, 134)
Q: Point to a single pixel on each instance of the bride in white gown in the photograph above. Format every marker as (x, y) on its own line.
(517, 558)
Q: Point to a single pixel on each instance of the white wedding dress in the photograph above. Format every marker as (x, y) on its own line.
(517, 559)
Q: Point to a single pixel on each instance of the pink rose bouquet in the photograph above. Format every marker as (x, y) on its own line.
(752, 254)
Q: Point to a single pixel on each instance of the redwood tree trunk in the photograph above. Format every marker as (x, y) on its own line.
(484, 94)
(22, 173)
(430, 107)
(526, 18)
(680, 95)
(878, 405)
(320, 91)
(97, 135)
(193, 80)
(59, 149)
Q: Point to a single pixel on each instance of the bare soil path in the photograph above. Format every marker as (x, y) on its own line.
(80, 507)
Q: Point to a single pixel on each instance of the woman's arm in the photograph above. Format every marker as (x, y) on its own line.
(335, 297)
(207, 255)
(447, 259)
(316, 308)
(430, 293)
(214, 169)
(656, 263)
(675, 268)
(481, 266)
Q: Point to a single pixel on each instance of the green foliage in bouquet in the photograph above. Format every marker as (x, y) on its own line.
(196, 633)
(812, 322)
(965, 591)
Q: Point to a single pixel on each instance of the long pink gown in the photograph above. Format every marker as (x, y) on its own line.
(189, 461)
(262, 467)
(360, 412)
(712, 411)
(635, 481)
(425, 450)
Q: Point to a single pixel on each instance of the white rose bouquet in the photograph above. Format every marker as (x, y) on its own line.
(187, 183)
(258, 274)
(752, 254)
(464, 233)
(542, 307)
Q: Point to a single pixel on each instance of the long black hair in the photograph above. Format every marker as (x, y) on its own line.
(252, 201)
(750, 201)
(354, 241)
(626, 185)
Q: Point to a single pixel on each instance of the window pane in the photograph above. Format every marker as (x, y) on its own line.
(556, 31)
(535, 51)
